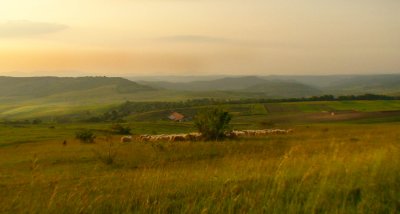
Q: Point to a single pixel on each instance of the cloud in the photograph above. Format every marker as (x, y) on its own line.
(24, 28)
(194, 39)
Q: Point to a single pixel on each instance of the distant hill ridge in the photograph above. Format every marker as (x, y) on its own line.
(292, 86)
(286, 89)
(46, 86)
(223, 84)
(68, 88)
(253, 84)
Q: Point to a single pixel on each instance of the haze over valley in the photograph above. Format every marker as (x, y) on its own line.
(199, 106)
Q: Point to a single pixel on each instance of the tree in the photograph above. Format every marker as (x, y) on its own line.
(36, 121)
(85, 136)
(212, 123)
(120, 129)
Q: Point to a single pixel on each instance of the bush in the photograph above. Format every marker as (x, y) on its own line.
(85, 136)
(106, 154)
(213, 123)
(36, 121)
(120, 129)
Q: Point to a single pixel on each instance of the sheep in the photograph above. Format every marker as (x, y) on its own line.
(126, 139)
(263, 132)
(144, 138)
(194, 136)
(197, 136)
(235, 133)
(170, 138)
(176, 138)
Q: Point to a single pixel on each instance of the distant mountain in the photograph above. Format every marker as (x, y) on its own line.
(36, 97)
(284, 89)
(348, 84)
(223, 84)
(248, 84)
(34, 87)
(378, 84)
(318, 81)
(174, 78)
(328, 84)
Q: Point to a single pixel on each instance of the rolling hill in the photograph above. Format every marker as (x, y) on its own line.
(35, 87)
(347, 84)
(284, 89)
(379, 84)
(248, 84)
(316, 84)
(34, 97)
(223, 84)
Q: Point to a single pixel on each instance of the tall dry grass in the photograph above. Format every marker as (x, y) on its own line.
(318, 169)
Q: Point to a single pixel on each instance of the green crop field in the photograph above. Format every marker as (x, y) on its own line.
(342, 163)
(363, 106)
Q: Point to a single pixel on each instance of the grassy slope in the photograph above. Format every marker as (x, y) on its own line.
(284, 89)
(250, 84)
(46, 86)
(287, 111)
(320, 168)
(379, 84)
(245, 116)
(19, 134)
(98, 99)
(336, 167)
(27, 98)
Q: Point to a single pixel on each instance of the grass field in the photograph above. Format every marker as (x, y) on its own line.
(320, 168)
(318, 106)
(346, 163)
(83, 101)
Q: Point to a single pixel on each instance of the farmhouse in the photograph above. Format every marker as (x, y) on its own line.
(175, 116)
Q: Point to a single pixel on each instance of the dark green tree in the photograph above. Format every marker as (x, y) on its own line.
(85, 136)
(213, 123)
(120, 129)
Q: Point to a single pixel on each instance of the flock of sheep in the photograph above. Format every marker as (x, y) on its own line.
(262, 132)
(197, 136)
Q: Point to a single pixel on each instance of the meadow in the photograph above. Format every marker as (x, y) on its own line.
(327, 165)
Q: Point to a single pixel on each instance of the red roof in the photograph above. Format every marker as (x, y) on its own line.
(176, 116)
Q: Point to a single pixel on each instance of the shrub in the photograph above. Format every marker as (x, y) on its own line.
(85, 136)
(120, 129)
(36, 121)
(212, 123)
(106, 154)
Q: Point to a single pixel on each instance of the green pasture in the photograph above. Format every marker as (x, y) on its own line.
(245, 116)
(76, 110)
(15, 134)
(362, 106)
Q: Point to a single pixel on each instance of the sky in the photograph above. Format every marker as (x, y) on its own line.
(199, 37)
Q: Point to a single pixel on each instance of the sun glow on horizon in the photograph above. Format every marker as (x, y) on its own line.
(140, 37)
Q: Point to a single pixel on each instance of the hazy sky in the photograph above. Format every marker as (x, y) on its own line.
(195, 37)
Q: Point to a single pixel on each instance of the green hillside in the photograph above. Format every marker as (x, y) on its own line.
(347, 84)
(268, 114)
(96, 100)
(34, 87)
(379, 84)
(305, 85)
(47, 97)
(223, 84)
(284, 89)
